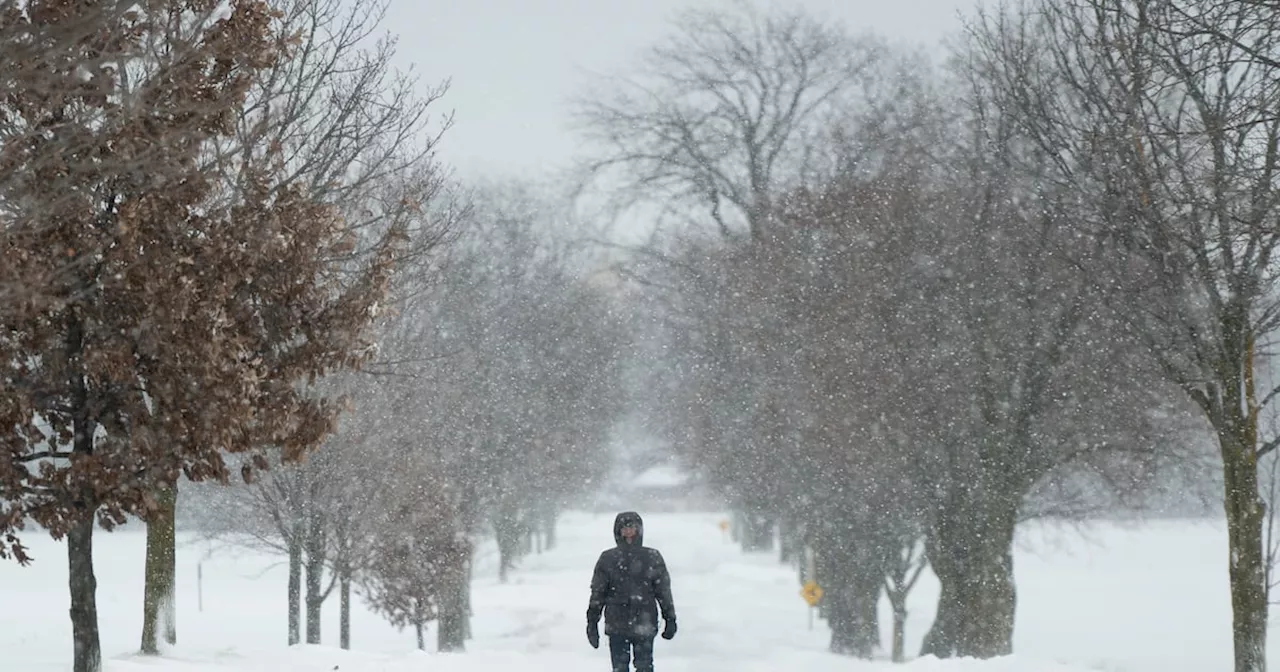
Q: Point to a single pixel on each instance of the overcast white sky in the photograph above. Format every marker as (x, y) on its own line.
(515, 63)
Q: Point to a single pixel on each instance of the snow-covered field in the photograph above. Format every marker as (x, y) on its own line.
(1142, 599)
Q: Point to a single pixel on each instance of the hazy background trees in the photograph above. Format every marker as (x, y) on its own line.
(494, 391)
(907, 347)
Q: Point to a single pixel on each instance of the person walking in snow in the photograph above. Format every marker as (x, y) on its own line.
(630, 587)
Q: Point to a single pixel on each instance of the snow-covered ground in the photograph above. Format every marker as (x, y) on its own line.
(1143, 599)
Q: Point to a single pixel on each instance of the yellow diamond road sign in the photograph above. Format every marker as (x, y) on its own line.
(812, 593)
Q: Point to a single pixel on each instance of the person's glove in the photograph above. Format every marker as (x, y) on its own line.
(593, 635)
(669, 629)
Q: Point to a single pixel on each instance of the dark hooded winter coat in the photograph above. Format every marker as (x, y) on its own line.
(630, 585)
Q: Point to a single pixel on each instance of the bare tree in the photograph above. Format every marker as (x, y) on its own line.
(722, 115)
(935, 357)
(1164, 111)
(501, 300)
(722, 120)
(527, 351)
(325, 514)
(767, 391)
(284, 511)
(408, 569)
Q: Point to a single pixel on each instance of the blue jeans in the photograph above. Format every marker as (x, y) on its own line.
(622, 649)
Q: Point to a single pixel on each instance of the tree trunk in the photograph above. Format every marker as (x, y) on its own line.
(524, 536)
(466, 599)
(83, 584)
(898, 589)
(905, 571)
(451, 633)
(788, 540)
(971, 549)
(422, 638)
(851, 591)
(1246, 558)
(550, 530)
(900, 633)
(158, 600)
(84, 604)
(316, 552)
(295, 587)
(757, 533)
(314, 599)
(806, 568)
(344, 606)
(507, 534)
(505, 562)
(1236, 423)
(840, 600)
(868, 583)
